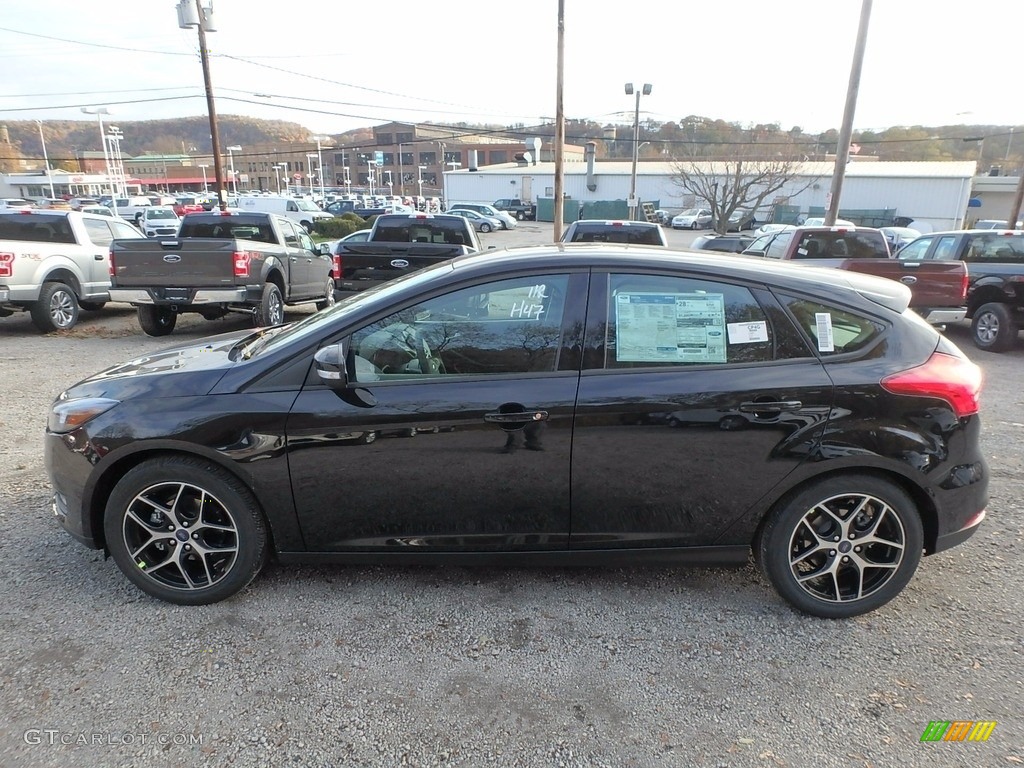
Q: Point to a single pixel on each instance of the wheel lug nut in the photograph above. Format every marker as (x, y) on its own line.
(835, 539)
(195, 535)
(170, 527)
(856, 549)
(846, 559)
(831, 553)
(188, 546)
(185, 524)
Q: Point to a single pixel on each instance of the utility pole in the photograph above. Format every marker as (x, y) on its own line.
(1018, 200)
(846, 132)
(559, 123)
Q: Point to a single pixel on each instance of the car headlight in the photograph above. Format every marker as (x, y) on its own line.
(68, 415)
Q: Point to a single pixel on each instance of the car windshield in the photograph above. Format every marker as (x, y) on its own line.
(690, 212)
(307, 205)
(163, 214)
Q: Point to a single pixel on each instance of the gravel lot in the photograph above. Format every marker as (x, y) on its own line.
(428, 666)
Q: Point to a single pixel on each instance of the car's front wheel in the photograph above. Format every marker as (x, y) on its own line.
(185, 531)
(693, 225)
(993, 327)
(485, 227)
(842, 546)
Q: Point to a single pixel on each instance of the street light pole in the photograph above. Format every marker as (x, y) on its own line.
(419, 182)
(49, 176)
(310, 158)
(401, 173)
(231, 162)
(99, 112)
(320, 166)
(645, 91)
(204, 167)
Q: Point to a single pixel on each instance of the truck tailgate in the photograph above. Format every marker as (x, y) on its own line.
(365, 265)
(932, 283)
(172, 262)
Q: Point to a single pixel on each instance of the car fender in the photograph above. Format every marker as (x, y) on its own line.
(55, 267)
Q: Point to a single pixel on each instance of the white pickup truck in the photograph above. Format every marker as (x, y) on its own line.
(54, 262)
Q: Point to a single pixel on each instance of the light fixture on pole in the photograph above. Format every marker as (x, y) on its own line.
(205, 188)
(191, 13)
(231, 162)
(49, 176)
(99, 112)
(645, 91)
(114, 137)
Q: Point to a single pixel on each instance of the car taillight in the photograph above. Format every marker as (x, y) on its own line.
(964, 280)
(111, 268)
(954, 379)
(336, 270)
(6, 264)
(241, 260)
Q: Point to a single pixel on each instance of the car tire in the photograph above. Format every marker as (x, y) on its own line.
(156, 321)
(56, 309)
(92, 306)
(185, 531)
(796, 542)
(329, 299)
(270, 310)
(693, 226)
(520, 216)
(485, 227)
(308, 226)
(993, 328)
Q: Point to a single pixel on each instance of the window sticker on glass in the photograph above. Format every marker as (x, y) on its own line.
(525, 303)
(747, 333)
(670, 327)
(823, 321)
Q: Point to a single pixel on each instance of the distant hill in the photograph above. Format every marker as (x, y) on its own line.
(689, 137)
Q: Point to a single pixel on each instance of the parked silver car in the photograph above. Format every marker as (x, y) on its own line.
(480, 222)
(508, 221)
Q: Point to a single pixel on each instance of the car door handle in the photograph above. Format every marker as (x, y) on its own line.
(908, 279)
(100, 256)
(292, 258)
(516, 418)
(771, 406)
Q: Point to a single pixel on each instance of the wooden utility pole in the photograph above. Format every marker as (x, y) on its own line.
(846, 132)
(218, 170)
(559, 123)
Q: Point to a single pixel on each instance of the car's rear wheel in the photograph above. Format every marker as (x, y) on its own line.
(485, 227)
(842, 546)
(328, 300)
(993, 327)
(520, 216)
(56, 309)
(270, 310)
(156, 321)
(185, 531)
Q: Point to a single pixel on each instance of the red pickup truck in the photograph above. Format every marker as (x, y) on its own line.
(938, 288)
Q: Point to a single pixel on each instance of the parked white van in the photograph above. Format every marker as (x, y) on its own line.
(306, 212)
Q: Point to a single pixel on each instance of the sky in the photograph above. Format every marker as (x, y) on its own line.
(332, 65)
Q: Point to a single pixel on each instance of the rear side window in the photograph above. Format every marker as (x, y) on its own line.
(833, 330)
(38, 228)
(995, 248)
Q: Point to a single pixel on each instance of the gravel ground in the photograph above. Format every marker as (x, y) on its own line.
(366, 666)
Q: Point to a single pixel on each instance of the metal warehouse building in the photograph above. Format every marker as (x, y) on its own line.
(934, 194)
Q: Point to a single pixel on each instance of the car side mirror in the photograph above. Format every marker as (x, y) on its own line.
(324, 249)
(330, 366)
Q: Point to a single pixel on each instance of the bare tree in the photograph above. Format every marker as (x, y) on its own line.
(728, 186)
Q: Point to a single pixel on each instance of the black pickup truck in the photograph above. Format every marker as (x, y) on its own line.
(995, 269)
(400, 244)
(221, 262)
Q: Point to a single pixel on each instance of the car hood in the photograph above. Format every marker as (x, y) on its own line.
(187, 370)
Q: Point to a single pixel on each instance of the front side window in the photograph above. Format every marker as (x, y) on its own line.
(667, 321)
(916, 250)
(506, 327)
(779, 245)
(99, 232)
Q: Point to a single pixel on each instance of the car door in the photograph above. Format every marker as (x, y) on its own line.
(697, 397)
(300, 262)
(455, 431)
(96, 269)
(319, 265)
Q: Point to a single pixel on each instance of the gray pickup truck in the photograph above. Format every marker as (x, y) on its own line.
(400, 244)
(221, 262)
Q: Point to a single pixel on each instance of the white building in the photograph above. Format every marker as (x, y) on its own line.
(933, 193)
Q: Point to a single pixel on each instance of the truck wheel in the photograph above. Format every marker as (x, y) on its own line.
(56, 309)
(92, 306)
(328, 300)
(156, 321)
(521, 215)
(485, 227)
(270, 310)
(993, 327)
(308, 226)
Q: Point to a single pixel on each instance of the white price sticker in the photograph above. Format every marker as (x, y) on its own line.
(823, 321)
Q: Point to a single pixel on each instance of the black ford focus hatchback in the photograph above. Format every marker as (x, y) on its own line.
(568, 404)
